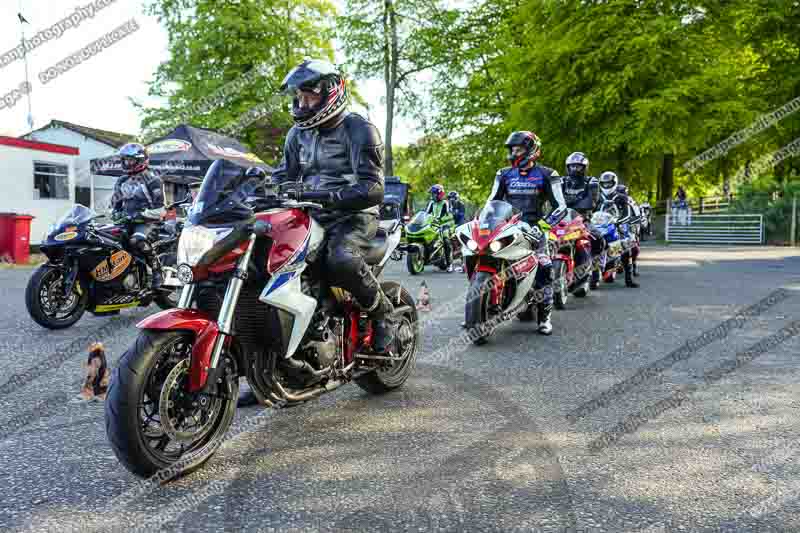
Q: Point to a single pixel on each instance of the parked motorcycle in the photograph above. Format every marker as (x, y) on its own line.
(567, 238)
(92, 268)
(423, 242)
(254, 303)
(501, 266)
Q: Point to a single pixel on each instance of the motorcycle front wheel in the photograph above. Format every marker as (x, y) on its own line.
(560, 292)
(46, 302)
(415, 262)
(477, 307)
(154, 425)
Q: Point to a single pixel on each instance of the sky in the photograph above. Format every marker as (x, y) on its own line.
(96, 92)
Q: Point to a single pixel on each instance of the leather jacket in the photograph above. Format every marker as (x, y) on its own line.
(345, 158)
(625, 204)
(135, 193)
(528, 190)
(581, 193)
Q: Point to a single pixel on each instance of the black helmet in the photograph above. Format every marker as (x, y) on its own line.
(531, 148)
(453, 195)
(134, 158)
(315, 78)
(577, 164)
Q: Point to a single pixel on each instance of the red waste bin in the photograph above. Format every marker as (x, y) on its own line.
(15, 236)
(6, 230)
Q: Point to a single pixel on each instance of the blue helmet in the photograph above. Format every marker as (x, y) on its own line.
(437, 193)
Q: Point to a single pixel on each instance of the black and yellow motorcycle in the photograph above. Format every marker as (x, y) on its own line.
(93, 268)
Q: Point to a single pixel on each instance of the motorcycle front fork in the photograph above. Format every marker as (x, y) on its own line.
(226, 313)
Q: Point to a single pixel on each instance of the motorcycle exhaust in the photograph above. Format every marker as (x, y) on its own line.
(330, 386)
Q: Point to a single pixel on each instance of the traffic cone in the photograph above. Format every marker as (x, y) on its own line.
(424, 298)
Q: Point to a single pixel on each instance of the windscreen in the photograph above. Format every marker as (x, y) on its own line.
(419, 221)
(494, 214)
(76, 216)
(222, 194)
(601, 218)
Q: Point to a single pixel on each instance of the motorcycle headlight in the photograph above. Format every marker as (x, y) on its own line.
(472, 245)
(195, 241)
(496, 246)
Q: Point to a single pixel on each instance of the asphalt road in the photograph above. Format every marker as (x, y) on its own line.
(479, 439)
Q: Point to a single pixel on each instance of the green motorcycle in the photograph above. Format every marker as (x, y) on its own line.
(423, 241)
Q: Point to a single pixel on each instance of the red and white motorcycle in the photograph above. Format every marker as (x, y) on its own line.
(500, 262)
(254, 303)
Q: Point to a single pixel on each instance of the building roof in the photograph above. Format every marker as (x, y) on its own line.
(110, 138)
(35, 145)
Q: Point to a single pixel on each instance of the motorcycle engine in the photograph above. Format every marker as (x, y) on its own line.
(323, 348)
(131, 282)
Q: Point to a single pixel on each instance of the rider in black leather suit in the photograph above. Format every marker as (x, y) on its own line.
(581, 193)
(137, 190)
(526, 185)
(339, 156)
(612, 191)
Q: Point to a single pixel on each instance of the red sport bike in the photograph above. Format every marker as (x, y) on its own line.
(254, 303)
(567, 239)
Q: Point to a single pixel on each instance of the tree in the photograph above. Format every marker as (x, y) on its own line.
(639, 86)
(216, 73)
(395, 39)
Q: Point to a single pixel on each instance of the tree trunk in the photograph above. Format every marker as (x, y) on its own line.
(725, 170)
(288, 35)
(390, 78)
(667, 167)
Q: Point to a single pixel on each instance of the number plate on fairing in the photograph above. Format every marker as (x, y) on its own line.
(523, 268)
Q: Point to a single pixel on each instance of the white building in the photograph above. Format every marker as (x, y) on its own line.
(37, 179)
(92, 190)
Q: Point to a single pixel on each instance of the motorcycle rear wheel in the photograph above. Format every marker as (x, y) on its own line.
(155, 369)
(407, 341)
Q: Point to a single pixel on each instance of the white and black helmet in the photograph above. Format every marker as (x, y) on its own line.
(577, 164)
(608, 182)
(320, 77)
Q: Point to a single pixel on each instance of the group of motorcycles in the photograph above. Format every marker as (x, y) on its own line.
(501, 263)
(244, 296)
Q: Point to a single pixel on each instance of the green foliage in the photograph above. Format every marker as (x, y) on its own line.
(216, 42)
(774, 201)
(625, 82)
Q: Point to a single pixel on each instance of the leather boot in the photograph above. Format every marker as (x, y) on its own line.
(582, 289)
(629, 278)
(383, 327)
(595, 283)
(543, 318)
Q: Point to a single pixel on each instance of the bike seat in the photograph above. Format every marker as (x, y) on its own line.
(377, 247)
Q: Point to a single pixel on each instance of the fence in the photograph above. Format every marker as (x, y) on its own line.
(714, 229)
(701, 205)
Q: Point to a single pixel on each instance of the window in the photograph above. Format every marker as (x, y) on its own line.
(51, 180)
